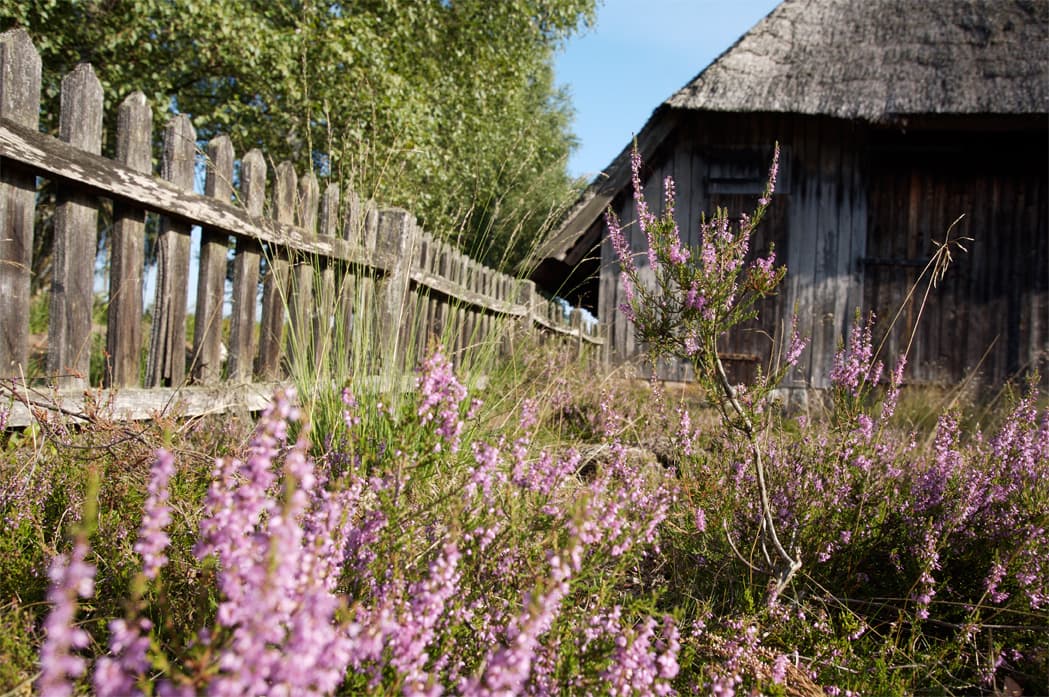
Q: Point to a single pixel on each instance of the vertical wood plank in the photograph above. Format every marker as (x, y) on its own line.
(441, 309)
(167, 352)
(432, 267)
(124, 328)
(396, 239)
(20, 102)
(325, 328)
(300, 301)
(366, 326)
(246, 272)
(211, 280)
(275, 283)
(353, 233)
(76, 235)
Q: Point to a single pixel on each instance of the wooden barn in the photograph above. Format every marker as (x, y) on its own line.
(894, 118)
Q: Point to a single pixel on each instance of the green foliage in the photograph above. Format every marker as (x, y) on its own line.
(446, 108)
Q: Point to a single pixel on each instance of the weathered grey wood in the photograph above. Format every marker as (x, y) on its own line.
(432, 300)
(300, 298)
(577, 325)
(167, 350)
(76, 235)
(124, 327)
(211, 281)
(459, 334)
(137, 404)
(352, 233)
(325, 328)
(275, 284)
(441, 271)
(19, 103)
(51, 157)
(471, 317)
(246, 271)
(367, 339)
(396, 237)
(121, 182)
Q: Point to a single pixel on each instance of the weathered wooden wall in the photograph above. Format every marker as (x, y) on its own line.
(990, 313)
(329, 265)
(816, 222)
(854, 218)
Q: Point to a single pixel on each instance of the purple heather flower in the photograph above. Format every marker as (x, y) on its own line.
(71, 577)
(770, 187)
(693, 298)
(700, 519)
(620, 244)
(645, 220)
(853, 365)
(115, 675)
(797, 343)
(507, 669)
(692, 345)
(156, 516)
(440, 394)
(350, 415)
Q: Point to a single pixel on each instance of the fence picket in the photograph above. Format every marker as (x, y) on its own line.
(246, 271)
(127, 257)
(75, 241)
(300, 290)
(324, 306)
(274, 285)
(353, 233)
(396, 240)
(167, 350)
(19, 102)
(211, 280)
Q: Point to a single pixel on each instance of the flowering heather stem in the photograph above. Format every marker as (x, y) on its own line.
(71, 578)
(152, 540)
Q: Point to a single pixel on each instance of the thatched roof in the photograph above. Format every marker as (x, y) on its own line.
(877, 59)
(872, 60)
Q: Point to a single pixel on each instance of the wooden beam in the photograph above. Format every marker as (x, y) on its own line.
(109, 178)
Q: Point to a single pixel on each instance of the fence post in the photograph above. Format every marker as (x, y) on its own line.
(167, 351)
(124, 322)
(20, 102)
(246, 271)
(353, 233)
(366, 342)
(324, 306)
(211, 280)
(274, 285)
(396, 241)
(76, 232)
(577, 325)
(300, 292)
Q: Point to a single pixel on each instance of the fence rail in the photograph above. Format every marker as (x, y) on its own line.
(317, 256)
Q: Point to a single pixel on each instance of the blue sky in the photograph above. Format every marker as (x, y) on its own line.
(639, 53)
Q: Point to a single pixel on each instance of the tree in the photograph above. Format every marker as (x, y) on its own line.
(445, 107)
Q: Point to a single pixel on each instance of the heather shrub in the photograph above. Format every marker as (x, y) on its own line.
(399, 558)
(559, 531)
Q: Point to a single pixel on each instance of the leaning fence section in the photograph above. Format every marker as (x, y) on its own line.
(323, 262)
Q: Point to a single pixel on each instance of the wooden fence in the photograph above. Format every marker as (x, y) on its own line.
(319, 257)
